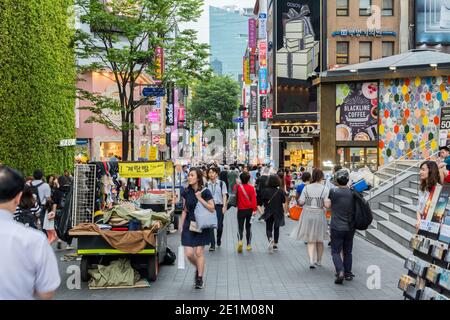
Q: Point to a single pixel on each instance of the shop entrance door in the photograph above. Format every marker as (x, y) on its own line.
(358, 157)
(299, 154)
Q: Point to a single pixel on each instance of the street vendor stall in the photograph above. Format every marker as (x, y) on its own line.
(111, 219)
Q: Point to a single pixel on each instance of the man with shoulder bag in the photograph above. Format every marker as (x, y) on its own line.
(219, 192)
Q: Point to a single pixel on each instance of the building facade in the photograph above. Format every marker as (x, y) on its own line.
(363, 30)
(228, 38)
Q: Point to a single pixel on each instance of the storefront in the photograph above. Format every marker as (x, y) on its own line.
(384, 110)
(299, 143)
(109, 150)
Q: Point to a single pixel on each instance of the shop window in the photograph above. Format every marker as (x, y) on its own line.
(110, 150)
(364, 7)
(358, 157)
(388, 8)
(388, 49)
(342, 54)
(365, 51)
(342, 7)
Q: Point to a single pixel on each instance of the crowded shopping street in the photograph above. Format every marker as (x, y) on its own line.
(225, 157)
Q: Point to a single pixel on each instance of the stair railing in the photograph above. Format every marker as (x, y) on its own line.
(397, 174)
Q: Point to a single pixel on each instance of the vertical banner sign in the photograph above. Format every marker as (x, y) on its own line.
(263, 54)
(170, 110)
(262, 26)
(254, 104)
(252, 64)
(182, 114)
(159, 63)
(263, 106)
(263, 81)
(252, 34)
(247, 71)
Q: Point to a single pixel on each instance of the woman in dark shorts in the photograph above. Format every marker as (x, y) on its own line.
(194, 243)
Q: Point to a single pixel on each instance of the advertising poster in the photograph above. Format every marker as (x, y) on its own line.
(444, 132)
(263, 81)
(298, 38)
(253, 104)
(438, 215)
(357, 111)
(430, 206)
(432, 21)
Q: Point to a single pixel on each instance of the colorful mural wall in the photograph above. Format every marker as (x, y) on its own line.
(409, 116)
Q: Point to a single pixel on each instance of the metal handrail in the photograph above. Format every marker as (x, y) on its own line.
(394, 178)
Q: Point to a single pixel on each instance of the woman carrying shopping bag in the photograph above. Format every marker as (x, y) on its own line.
(193, 240)
(274, 199)
(312, 226)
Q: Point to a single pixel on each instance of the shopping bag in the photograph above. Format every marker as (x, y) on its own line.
(292, 203)
(181, 259)
(328, 214)
(204, 218)
(295, 212)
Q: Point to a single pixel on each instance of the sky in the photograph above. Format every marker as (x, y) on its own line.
(202, 26)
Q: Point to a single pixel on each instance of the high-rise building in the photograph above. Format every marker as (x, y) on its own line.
(217, 66)
(228, 38)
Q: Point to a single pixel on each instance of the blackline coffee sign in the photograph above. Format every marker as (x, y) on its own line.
(356, 111)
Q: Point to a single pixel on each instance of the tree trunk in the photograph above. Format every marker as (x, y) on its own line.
(125, 145)
(132, 136)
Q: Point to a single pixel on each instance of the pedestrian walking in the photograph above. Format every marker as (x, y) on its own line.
(232, 177)
(219, 192)
(28, 268)
(51, 207)
(429, 178)
(288, 180)
(27, 212)
(283, 188)
(194, 242)
(312, 225)
(246, 204)
(342, 231)
(223, 176)
(274, 199)
(42, 192)
(306, 179)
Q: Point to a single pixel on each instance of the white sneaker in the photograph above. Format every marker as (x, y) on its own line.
(270, 247)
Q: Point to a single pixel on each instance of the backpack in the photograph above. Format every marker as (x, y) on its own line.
(35, 190)
(363, 216)
(63, 218)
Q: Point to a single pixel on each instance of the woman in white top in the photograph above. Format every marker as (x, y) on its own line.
(429, 179)
(312, 226)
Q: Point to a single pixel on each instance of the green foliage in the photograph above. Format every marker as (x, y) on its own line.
(216, 95)
(37, 85)
(126, 34)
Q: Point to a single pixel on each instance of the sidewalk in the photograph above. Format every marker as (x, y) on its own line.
(258, 275)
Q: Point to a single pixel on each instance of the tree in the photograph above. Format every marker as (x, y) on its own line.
(37, 86)
(215, 100)
(124, 41)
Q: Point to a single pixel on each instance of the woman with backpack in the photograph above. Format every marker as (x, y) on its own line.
(194, 242)
(247, 206)
(312, 225)
(274, 199)
(28, 210)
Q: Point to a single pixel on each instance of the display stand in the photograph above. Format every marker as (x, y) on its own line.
(428, 268)
(93, 248)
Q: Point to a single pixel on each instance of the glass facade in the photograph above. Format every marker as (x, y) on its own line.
(228, 39)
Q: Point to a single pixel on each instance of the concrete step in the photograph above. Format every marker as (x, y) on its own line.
(380, 215)
(395, 232)
(409, 209)
(389, 207)
(414, 184)
(383, 175)
(399, 199)
(408, 192)
(387, 243)
(403, 221)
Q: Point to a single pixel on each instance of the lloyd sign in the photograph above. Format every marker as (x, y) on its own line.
(295, 130)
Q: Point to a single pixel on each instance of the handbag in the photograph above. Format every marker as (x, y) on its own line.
(204, 218)
(232, 200)
(193, 227)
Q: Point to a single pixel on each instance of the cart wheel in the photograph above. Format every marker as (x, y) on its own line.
(153, 268)
(84, 268)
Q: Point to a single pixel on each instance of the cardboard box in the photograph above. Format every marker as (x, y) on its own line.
(296, 26)
(282, 56)
(292, 45)
(309, 41)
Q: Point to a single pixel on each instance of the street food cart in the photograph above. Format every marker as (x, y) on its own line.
(98, 189)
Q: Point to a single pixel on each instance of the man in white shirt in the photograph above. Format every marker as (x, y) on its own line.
(28, 267)
(219, 192)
